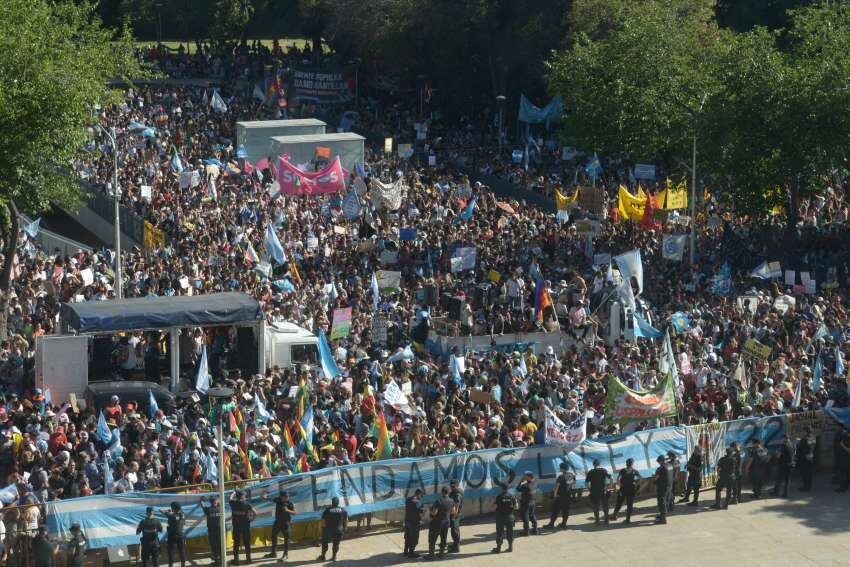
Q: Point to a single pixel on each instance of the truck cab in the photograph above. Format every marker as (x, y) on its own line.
(288, 345)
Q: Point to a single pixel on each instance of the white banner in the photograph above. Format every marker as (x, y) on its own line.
(560, 434)
(387, 196)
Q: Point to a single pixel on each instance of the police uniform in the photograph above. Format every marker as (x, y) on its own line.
(77, 547)
(456, 494)
(334, 518)
(149, 528)
(785, 462)
(805, 461)
(672, 474)
(412, 515)
(174, 528)
(213, 515)
(725, 478)
(505, 506)
(627, 479)
(441, 511)
(597, 480)
(241, 512)
(561, 503)
(42, 551)
(694, 468)
(759, 468)
(737, 475)
(662, 482)
(283, 511)
(526, 489)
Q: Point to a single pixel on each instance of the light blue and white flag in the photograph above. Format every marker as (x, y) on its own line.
(103, 432)
(153, 407)
(376, 293)
(273, 246)
(211, 474)
(593, 167)
(404, 354)
(351, 205)
(260, 411)
(32, 228)
(839, 362)
(202, 379)
(643, 329)
(631, 265)
(817, 374)
(329, 367)
(217, 103)
(673, 247)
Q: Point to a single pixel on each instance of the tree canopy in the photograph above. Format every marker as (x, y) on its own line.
(55, 61)
(770, 108)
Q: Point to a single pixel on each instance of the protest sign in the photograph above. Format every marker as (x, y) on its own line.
(326, 85)
(566, 435)
(480, 396)
(388, 280)
(465, 258)
(341, 323)
(755, 349)
(644, 171)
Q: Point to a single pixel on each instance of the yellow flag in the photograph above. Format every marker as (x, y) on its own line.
(677, 197)
(631, 207)
(563, 202)
(152, 237)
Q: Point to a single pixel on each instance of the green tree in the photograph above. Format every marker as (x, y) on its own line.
(635, 77)
(54, 63)
(782, 120)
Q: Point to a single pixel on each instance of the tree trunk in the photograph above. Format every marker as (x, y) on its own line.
(10, 244)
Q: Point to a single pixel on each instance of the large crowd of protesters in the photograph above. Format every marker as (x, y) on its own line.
(51, 451)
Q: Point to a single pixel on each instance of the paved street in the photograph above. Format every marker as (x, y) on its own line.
(804, 530)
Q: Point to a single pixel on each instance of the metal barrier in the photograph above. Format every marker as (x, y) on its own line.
(104, 206)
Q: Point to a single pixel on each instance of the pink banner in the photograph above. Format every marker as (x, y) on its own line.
(293, 181)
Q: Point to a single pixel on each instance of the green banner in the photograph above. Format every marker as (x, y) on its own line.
(624, 404)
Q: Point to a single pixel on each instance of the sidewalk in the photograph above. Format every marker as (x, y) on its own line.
(806, 529)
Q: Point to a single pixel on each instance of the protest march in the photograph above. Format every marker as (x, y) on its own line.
(475, 313)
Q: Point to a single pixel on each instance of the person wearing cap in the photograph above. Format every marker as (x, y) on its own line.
(526, 489)
(149, 528)
(212, 512)
(737, 473)
(627, 480)
(456, 494)
(561, 496)
(438, 528)
(76, 547)
(784, 465)
(598, 479)
(725, 478)
(694, 483)
(805, 458)
(759, 464)
(334, 520)
(413, 509)
(673, 475)
(42, 548)
(242, 513)
(175, 522)
(284, 509)
(662, 482)
(505, 507)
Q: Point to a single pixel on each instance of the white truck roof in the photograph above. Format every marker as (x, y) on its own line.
(292, 329)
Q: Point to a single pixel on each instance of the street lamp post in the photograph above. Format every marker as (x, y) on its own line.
(694, 182)
(118, 276)
(501, 100)
(220, 395)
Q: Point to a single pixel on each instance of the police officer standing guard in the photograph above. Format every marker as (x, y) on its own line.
(412, 516)
(441, 511)
(561, 497)
(805, 459)
(725, 477)
(505, 506)
(284, 509)
(213, 514)
(627, 478)
(175, 520)
(737, 473)
(784, 465)
(76, 547)
(526, 489)
(243, 514)
(334, 520)
(694, 468)
(456, 494)
(672, 476)
(662, 481)
(598, 480)
(149, 528)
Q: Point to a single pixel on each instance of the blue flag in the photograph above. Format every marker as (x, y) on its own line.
(817, 374)
(351, 205)
(329, 366)
(202, 380)
(103, 432)
(532, 114)
(644, 329)
(153, 407)
(376, 292)
(839, 362)
(466, 214)
(404, 354)
(273, 247)
(32, 228)
(593, 167)
(176, 164)
(680, 322)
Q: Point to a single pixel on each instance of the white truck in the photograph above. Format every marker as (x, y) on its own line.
(62, 362)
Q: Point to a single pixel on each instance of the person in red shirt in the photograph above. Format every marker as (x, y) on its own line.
(57, 441)
(113, 410)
